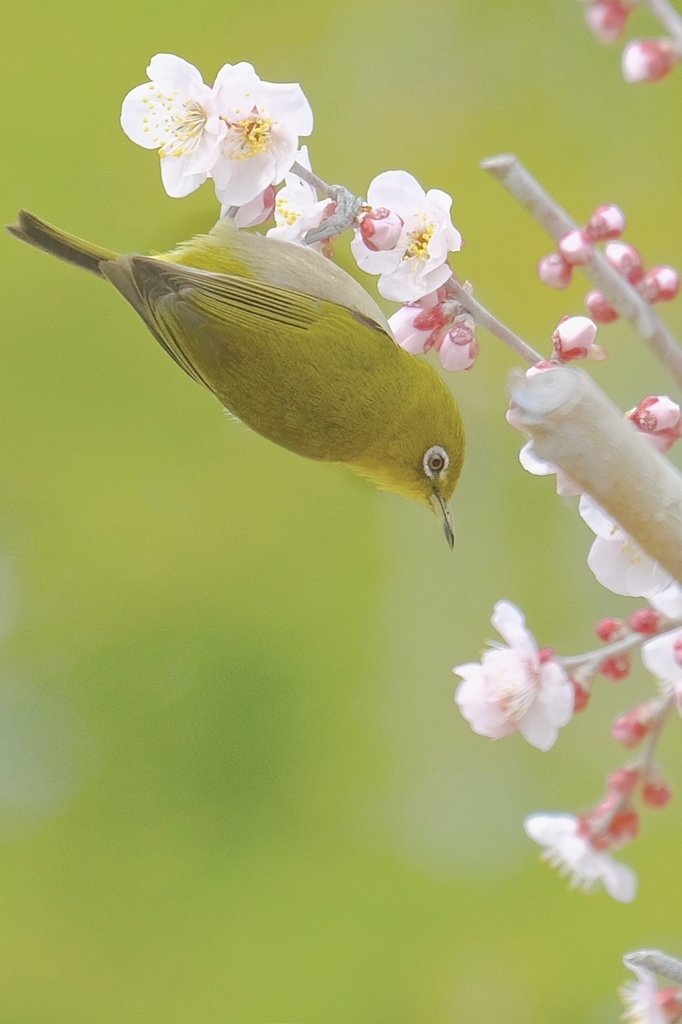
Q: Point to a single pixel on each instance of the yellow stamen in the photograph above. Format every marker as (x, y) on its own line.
(419, 242)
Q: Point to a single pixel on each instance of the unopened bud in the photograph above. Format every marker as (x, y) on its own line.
(655, 413)
(624, 827)
(644, 620)
(459, 347)
(599, 307)
(648, 60)
(656, 792)
(606, 19)
(631, 728)
(626, 260)
(575, 247)
(381, 229)
(573, 338)
(616, 668)
(609, 630)
(624, 780)
(660, 284)
(607, 221)
(555, 271)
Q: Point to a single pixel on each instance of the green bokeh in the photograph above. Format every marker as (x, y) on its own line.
(233, 784)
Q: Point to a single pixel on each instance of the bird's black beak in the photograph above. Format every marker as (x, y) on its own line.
(442, 510)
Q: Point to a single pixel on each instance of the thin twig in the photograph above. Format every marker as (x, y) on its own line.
(646, 758)
(654, 960)
(625, 299)
(608, 651)
(669, 18)
(486, 319)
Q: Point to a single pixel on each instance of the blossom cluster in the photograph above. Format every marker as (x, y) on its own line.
(243, 133)
(644, 60)
(575, 247)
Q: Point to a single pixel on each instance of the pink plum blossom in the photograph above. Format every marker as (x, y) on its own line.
(618, 563)
(565, 848)
(514, 688)
(176, 113)
(263, 122)
(418, 263)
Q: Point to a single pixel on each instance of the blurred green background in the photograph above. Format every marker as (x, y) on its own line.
(233, 784)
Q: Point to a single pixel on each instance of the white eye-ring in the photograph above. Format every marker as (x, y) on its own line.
(436, 461)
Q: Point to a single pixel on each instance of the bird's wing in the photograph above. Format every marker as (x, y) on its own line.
(175, 300)
(167, 295)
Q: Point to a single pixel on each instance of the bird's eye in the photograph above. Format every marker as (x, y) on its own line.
(436, 461)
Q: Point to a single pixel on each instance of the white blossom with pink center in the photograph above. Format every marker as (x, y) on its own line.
(257, 211)
(176, 113)
(617, 562)
(297, 208)
(513, 688)
(564, 848)
(640, 998)
(418, 263)
(263, 122)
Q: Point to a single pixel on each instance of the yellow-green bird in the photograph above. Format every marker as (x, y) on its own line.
(294, 347)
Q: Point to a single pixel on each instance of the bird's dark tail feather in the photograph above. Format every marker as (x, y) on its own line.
(66, 247)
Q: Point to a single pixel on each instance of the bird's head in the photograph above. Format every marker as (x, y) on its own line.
(422, 455)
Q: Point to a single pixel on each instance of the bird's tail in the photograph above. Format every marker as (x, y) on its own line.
(66, 247)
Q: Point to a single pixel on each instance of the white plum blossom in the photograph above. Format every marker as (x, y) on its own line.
(538, 467)
(564, 848)
(617, 562)
(514, 688)
(297, 208)
(176, 113)
(640, 998)
(263, 122)
(257, 211)
(668, 601)
(663, 658)
(418, 263)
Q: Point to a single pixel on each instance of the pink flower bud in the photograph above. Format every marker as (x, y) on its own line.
(459, 348)
(644, 620)
(607, 221)
(609, 630)
(656, 792)
(575, 247)
(606, 19)
(257, 211)
(624, 780)
(648, 60)
(599, 307)
(631, 728)
(616, 668)
(624, 827)
(380, 229)
(555, 271)
(573, 338)
(660, 285)
(581, 696)
(626, 260)
(657, 412)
